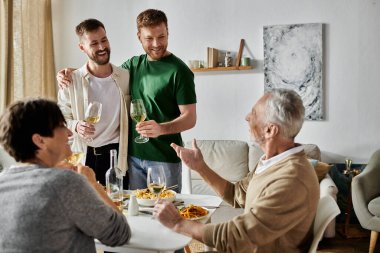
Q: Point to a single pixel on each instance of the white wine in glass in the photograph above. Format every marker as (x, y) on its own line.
(156, 180)
(92, 115)
(138, 114)
(74, 158)
(93, 120)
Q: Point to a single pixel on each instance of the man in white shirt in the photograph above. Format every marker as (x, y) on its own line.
(97, 80)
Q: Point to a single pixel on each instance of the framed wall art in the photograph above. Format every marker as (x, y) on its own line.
(293, 60)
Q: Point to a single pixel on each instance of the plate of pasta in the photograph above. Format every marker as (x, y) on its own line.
(145, 197)
(193, 212)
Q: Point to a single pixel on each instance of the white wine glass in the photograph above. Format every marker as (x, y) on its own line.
(92, 115)
(156, 180)
(138, 114)
(75, 158)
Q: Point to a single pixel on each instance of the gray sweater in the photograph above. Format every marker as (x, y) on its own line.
(54, 210)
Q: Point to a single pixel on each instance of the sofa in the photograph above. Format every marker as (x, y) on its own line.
(233, 159)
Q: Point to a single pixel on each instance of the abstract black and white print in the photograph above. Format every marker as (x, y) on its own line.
(293, 60)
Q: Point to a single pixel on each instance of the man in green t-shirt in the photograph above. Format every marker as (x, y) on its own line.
(166, 86)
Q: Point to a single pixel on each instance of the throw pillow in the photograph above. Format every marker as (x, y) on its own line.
(320, 168)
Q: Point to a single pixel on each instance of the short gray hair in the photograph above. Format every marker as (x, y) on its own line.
(285, 108)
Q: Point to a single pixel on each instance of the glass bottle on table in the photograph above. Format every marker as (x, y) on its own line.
(114, 181)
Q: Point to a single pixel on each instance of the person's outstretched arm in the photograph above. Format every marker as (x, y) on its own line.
(90, 175)
(193, 159)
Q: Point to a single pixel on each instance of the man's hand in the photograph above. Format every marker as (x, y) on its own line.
(85, 129)
(193, 158)
(149, 129)
(64, 77)
(167, 214)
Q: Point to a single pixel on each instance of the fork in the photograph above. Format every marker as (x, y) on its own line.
(172, 187)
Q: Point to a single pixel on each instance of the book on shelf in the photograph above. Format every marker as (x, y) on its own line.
(212, 57)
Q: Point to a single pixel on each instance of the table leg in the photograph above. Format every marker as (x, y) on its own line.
(348, 213)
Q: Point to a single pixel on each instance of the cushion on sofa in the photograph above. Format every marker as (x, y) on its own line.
(255, 153)
(320, 168)
(312, 151)
(228, 157)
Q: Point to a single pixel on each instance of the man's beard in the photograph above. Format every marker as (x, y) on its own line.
(154, 56)
(260, 140)
(97, 58)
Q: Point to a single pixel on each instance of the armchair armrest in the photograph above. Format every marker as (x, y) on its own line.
(328, 187)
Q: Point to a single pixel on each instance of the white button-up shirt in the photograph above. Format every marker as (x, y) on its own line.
(265, 164)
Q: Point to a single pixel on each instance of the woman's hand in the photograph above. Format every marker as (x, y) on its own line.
(87, 172)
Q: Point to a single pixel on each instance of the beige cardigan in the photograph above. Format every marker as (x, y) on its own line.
(73, 102)
(279, 208)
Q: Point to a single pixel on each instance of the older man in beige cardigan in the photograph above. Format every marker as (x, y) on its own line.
(279, 197)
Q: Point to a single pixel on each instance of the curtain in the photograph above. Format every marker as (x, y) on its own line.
(26, 55)
(5, 29)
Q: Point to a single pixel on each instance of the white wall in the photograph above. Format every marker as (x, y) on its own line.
(351, 60)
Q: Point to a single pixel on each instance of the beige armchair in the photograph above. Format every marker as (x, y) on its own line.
(365, 190)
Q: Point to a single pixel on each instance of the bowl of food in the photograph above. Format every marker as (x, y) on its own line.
(145, 197)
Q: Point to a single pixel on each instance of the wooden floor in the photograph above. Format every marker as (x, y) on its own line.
(341, 244)
(338, 244)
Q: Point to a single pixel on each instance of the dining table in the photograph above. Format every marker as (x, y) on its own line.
(150, 236)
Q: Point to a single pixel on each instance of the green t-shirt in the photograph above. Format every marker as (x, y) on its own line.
(162, 85)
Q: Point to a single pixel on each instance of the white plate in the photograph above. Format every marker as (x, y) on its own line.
(201, 217)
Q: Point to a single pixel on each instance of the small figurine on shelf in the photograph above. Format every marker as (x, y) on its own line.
(228, 59)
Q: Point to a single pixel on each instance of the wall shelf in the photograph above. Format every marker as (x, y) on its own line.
(233, 68)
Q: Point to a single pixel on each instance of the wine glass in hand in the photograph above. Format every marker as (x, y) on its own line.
(92, 115)
(156, 180)
(138, 114)
(75, 158)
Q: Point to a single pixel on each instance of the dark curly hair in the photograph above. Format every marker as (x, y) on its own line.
(88, 25)
(24, 118)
